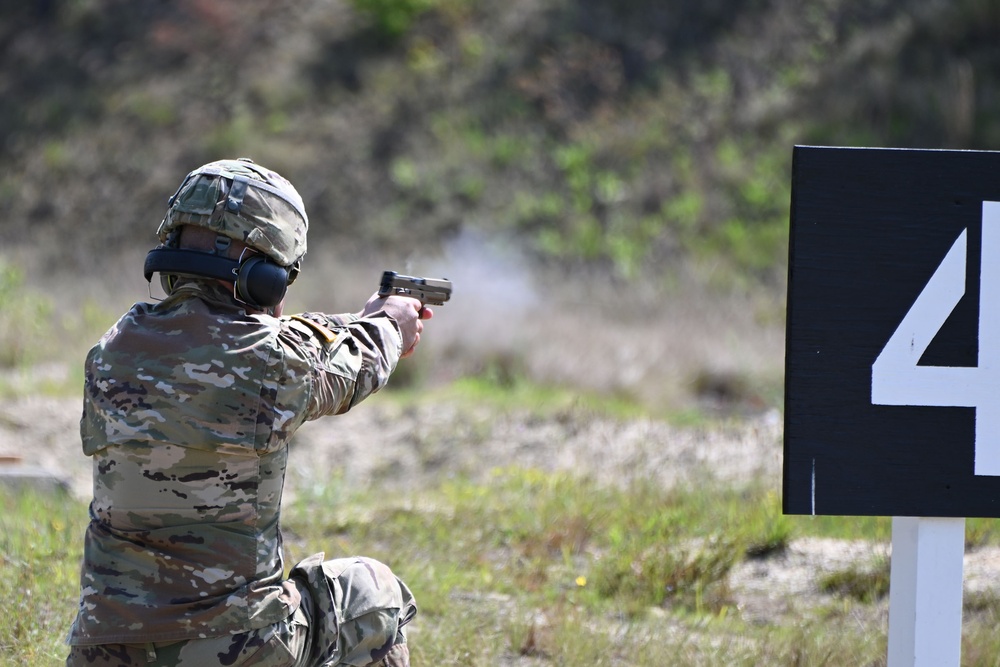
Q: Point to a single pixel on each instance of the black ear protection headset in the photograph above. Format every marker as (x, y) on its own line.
(258, 281)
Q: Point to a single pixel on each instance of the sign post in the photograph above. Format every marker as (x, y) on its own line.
(892, 365)
(925, 592)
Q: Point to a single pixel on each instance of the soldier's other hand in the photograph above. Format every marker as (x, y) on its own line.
(408, 314)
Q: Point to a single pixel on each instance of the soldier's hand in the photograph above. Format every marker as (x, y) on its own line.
(408, 313)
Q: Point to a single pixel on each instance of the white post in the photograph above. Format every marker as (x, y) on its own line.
(925, 592)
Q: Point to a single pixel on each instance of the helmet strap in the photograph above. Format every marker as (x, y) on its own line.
(238, 190)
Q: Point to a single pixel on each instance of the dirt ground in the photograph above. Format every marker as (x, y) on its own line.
(381, 441)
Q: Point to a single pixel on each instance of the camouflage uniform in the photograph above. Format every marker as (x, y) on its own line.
(189, 408)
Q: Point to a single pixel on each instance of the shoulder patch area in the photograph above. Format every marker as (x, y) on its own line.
(314, 328)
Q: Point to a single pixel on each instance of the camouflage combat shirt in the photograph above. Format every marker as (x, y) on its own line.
(189, 407)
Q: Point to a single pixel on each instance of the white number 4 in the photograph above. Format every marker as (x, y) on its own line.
(898, 380)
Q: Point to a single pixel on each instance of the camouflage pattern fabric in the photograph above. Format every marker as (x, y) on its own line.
(189, 408)
(357, 609)
(276, 645)
(246, 202)
(352, 613)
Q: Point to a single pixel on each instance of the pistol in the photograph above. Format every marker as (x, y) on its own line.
(432, 291)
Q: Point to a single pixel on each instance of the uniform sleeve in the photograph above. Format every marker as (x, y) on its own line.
(338, 320)
(349, 358)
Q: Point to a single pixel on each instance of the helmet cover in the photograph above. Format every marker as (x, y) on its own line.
(244, 201)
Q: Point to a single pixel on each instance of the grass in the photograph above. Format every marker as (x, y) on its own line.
(43, 340)
(40, 549)
(527, 568)
(502, 389)
(862, 584)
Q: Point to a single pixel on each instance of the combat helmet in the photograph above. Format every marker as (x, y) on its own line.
(243, 201)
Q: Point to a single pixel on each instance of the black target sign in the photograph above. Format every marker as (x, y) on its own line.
(892, 368)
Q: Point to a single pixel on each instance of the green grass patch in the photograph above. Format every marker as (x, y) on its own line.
(24, 319)
(546, 568)
(559, 568)
(860, 583)
(501, 386)
(979, 531)
(554, 538)
(871, 528)
(42, 344)
(41, 543)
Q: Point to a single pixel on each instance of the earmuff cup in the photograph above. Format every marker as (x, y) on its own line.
(259, 281)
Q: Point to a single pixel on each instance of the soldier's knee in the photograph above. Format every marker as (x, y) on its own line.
(370, 585)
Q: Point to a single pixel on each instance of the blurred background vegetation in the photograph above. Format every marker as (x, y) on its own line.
(641, 146)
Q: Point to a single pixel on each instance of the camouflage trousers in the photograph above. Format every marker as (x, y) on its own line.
(352, 614)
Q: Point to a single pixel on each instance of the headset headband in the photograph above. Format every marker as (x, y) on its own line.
(190, 262)
(257, 280)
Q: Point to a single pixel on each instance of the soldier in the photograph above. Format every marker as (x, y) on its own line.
(189, 407)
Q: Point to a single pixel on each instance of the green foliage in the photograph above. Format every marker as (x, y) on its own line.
(979, 531)
(537, 565)
(755, 192)
(25, 320)
(394, 18)
(616, 134)
(553, 535)
(500, 383)
(40, 550)
(873, 528)
(862, 584)
(232, 137)
(646, 571)
(38, 342)
(404, 173)
(156, 112)
(768, 531)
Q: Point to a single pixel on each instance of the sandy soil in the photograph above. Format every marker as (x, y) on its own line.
(415, 445)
